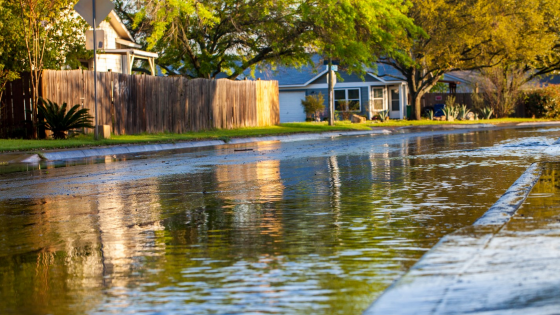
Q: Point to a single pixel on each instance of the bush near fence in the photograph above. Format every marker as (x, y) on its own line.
(543, 102)
(133, 104)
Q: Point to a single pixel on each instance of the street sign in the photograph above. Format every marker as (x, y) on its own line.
(102, 9)
(334, 67)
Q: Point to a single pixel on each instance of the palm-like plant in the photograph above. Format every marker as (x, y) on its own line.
(57, 120)
(487, 112)
(463, 112)
(383, 115)
(431, 114)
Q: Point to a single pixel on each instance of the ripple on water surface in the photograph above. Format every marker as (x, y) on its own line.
(296, 228)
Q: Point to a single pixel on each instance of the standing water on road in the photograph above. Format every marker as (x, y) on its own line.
(318, 227)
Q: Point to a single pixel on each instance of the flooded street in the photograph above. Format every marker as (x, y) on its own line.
(308, 227)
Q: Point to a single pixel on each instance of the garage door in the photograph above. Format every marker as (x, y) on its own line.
(290, 107)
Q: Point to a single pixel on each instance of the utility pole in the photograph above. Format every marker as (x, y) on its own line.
(95, 70)
(91, 12)
(331, 93)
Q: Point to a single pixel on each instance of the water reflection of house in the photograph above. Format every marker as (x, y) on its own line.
(128, 216)
(83, 242)
(247, 188)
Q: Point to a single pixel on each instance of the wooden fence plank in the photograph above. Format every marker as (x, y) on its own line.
(139, 103)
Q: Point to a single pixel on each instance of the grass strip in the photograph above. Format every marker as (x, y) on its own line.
(7, 145)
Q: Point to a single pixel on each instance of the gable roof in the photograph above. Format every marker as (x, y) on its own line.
(119, 27)
(292, 77)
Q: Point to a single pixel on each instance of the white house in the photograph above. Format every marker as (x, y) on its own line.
(367, 97)
(116, 49)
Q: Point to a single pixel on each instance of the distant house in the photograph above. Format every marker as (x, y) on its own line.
(367, 97)
(116, 48)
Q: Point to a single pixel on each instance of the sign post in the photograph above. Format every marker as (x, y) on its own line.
(91, 12)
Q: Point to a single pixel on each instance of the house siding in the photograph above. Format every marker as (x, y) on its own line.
(364, 96)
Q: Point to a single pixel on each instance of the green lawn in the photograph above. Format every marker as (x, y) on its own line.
(403, 123)
(308, 127)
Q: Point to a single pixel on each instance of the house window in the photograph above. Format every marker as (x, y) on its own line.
(352, 96)
(377, 98)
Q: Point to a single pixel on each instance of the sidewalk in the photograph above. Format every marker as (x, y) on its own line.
(508, 262)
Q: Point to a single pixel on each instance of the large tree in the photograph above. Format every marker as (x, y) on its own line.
(41, 34)
(8, 47)
(209, 37)
(472, 35)
(355, 32)
(220, 36)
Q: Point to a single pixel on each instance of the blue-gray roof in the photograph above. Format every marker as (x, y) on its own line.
(292, 76)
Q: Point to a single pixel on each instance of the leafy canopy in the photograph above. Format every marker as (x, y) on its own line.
(475, 34)
(209, 37)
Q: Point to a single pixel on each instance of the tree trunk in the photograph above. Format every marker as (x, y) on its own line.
(416, 99)
(35, 78)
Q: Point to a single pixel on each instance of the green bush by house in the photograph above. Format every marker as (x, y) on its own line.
(543, 102)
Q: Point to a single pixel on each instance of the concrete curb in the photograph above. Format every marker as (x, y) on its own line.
(554, 149)
(425, 285)
(423, 289)
(132, 149)
(511, 200)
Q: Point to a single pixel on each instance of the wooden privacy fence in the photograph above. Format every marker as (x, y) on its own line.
(15, 109)
(133, 104)
(430, 99)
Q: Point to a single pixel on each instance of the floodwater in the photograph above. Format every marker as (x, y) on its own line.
(309, 227)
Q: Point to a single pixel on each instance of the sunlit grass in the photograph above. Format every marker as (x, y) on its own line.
(287, 128)
(402, 123)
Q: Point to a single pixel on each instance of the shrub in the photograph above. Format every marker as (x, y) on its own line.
(383, 115)
(463, 112)
(502, 87)
(543, 103)
(313, 104)
(430, 114)
(57, 120)
(344, 110)
(450, 101)
(487, 112)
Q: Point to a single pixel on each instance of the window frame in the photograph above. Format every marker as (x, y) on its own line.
(373, 98)
(359, 99)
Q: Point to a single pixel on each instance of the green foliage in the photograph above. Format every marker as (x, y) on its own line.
(440, 87)
(57, 120)
(487, 112)
(313, 104)
(208, 37)
(478, 102)
(383, 115)
(49, 28)
(543, 102)
(5, 77)
(450, 101)
(358, 31)
(344, 109)
(449, 112)
(430, 114)
(451, 109)
(502, 87)
(474, 34)
(463, 112)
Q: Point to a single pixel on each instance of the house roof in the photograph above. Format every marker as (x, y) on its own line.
(292, 77)
(119, 27)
